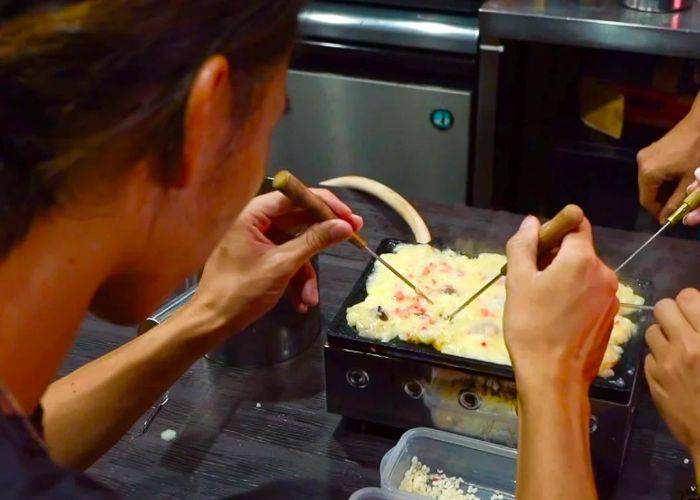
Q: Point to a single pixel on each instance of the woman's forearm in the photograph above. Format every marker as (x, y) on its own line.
(554, 443)
(88, 411)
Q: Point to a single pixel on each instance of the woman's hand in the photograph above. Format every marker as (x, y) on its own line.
(257, 261)
(558, 320)
(673, 158)
(673, 366)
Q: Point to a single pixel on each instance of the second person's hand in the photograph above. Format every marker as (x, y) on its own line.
(557, 324)
(557, 320)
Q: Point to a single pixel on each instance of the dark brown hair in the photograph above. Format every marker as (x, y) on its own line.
(79, 77)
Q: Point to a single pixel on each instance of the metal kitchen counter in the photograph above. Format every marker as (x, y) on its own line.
(596, 24)
(265, 433)
(602, 24)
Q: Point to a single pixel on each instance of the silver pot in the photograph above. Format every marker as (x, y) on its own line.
(280, 335)
(658, 5)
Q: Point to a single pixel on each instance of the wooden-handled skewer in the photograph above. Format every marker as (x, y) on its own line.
(303, 197)
(550, 237)
(691, 202)
(290, 186)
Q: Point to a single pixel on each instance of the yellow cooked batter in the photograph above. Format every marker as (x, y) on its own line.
(392, 310)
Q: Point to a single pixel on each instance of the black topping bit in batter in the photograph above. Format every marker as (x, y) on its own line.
(449, 290)
(382, 314)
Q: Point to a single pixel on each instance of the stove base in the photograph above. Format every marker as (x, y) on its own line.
(406, 393)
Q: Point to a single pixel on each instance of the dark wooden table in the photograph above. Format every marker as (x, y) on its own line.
(265, 433)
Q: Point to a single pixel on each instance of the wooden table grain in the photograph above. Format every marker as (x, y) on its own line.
(265, 433)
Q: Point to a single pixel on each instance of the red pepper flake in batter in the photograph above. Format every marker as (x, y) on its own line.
(399, 296)
(485, 312)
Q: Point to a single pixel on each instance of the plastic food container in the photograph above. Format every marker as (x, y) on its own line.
(489, 467)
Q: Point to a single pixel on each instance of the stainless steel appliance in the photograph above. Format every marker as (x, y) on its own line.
(658, 5)
(383, 92)
(465, 6)
(409, 385)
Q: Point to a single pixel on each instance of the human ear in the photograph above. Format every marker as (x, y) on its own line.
(208, 121)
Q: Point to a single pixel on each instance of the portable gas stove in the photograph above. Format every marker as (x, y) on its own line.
(409, 385)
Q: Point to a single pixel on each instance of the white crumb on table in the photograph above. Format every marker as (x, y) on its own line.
(686, 461)
(258, 405)
(168, 435)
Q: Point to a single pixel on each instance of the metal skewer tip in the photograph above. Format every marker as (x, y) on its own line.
(639, 307)
(646, 244)
(398, 275)
(475, 296)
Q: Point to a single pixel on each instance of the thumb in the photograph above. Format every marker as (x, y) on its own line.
(522, 249)
(314, 240)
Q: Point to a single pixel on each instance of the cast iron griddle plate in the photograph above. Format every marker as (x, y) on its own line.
(615, 388)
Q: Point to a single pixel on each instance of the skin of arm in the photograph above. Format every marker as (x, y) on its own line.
(554, 451)
(556, 347)
(673, 159)
(88, 411)
(672, 368)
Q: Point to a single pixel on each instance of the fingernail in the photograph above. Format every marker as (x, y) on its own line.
(697, 173)
(529, 221)
(340, 230)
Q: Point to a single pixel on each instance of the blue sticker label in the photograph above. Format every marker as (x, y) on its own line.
(442, 119)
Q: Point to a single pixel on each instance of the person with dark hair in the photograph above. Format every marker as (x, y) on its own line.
(133, 136)
(133, 139)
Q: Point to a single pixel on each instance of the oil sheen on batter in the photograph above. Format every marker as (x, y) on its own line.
(393, 310)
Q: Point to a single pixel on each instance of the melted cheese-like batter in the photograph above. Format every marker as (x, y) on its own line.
(392, 310)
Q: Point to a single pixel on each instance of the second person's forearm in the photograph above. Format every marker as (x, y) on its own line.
(554, 444)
